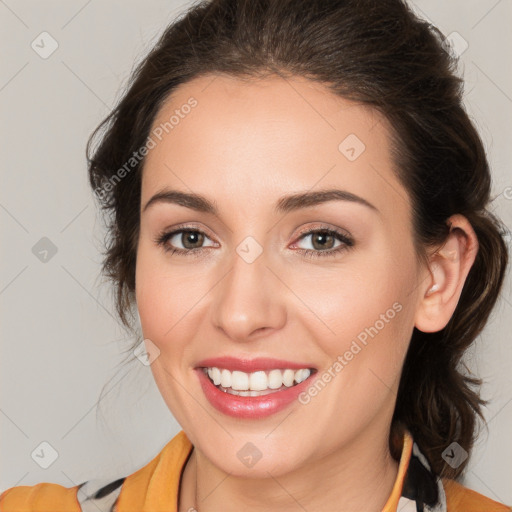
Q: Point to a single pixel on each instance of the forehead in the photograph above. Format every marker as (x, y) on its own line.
(249, 140)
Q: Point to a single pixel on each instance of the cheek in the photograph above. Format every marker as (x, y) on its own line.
(344, 301)
(363, 318)
(165, 305)
(164, 297)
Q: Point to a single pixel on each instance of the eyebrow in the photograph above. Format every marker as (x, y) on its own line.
(284, 204)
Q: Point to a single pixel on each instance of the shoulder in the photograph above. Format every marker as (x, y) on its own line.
(460, 498)
(90, 496)
(101, 495)
(43, 497)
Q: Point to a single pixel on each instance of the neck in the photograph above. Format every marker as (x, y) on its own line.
(355, 477)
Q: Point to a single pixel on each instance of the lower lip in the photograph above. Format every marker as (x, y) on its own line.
(251, 407)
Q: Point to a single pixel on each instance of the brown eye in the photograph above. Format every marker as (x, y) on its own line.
(190, 240)
(322, 240)
(194, 238)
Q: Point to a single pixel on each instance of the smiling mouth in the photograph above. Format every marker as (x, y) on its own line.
(256, 383)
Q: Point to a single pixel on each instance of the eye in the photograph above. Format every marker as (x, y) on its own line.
(190, 239)
(323, 240)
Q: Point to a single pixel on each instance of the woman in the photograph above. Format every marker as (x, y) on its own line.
(297, 205)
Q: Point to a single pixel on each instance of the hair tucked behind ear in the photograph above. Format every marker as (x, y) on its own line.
(437, 400)
(374, 52)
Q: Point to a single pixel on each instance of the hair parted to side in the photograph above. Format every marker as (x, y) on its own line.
(376, 53)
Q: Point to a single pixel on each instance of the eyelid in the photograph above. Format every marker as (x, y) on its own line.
(323, 226)
(188, 227)
(346, 239)
(169, 233)
(303, 231)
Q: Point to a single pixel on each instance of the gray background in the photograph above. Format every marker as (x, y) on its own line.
(60, 341)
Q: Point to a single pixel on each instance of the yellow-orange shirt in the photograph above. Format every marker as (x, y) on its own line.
(155, 488)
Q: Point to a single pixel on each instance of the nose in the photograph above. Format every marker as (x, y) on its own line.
(249, 300)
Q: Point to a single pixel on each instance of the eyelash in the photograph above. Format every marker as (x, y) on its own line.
(348, 242)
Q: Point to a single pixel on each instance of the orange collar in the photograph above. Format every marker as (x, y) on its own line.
(155, 487)
(392, 503)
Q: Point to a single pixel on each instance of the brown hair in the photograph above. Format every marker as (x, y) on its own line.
(376, 53)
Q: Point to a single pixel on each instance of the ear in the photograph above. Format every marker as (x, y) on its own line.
(449, 266)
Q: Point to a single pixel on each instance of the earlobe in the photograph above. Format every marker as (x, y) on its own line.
(439, 293)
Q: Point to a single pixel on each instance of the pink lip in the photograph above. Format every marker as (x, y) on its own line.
(250, 365)
(250, 407)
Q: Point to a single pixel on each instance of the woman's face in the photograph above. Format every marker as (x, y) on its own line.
(249, 283)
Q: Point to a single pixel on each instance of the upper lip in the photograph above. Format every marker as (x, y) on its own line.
(250, 365)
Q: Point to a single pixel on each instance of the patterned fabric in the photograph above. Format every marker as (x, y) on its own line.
(155, 488)
(421, 491)
(99, 495)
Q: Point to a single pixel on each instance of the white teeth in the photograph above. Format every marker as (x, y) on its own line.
(247, 383)
(239, 381)
(302, 375)
(257, 381)
(225, 378)
(288, 377)
(275, 379)
(215, 376)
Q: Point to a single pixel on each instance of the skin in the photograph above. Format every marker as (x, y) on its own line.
(244, 146)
